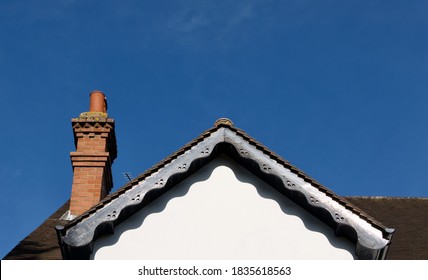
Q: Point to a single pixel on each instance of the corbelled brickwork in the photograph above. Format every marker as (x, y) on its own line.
(96, 150)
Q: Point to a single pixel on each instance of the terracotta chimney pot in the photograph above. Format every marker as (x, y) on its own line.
(98, 102)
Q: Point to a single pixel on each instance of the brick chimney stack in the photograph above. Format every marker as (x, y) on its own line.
(96, 150)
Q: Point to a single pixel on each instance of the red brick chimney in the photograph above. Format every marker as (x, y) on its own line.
(96, 150)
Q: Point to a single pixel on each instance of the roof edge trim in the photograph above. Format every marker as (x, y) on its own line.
(277, 172)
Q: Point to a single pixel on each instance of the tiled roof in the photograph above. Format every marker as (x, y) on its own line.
(409, 217)
(42, 243)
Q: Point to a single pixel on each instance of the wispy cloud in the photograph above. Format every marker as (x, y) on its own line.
(8, 173)
(204, 23)
(211, 14)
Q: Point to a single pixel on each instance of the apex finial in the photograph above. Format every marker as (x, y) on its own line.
(224, 122)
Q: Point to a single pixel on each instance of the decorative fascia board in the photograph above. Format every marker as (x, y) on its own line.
(371, 240)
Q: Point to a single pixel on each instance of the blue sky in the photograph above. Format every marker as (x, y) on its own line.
(338, 88)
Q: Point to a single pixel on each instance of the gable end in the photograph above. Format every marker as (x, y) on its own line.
(371, 237)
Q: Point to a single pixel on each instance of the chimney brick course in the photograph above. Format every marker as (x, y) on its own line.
(96, 150)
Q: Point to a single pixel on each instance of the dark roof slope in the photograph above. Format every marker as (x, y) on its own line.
(409, 218)
(42, 243)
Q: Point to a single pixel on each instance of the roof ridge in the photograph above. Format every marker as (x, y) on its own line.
(341, 199)
(145, 174)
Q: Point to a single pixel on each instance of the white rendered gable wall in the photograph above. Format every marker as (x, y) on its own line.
(222, 212)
